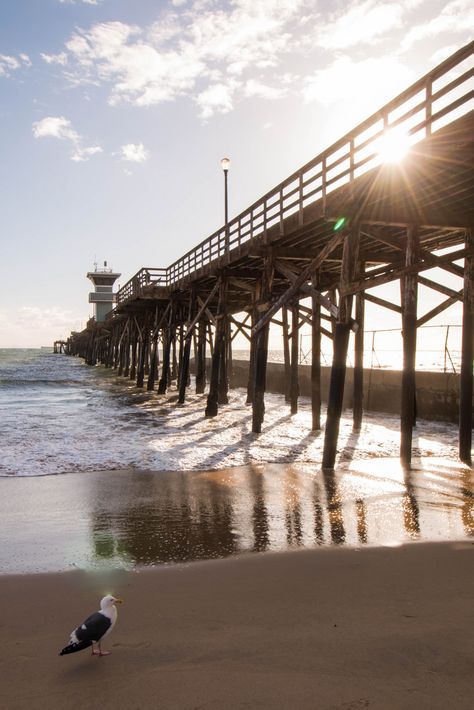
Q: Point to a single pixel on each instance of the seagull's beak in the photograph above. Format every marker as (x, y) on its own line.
(119, 601)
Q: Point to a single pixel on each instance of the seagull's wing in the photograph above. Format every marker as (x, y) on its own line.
(93, 628)
(89, 632)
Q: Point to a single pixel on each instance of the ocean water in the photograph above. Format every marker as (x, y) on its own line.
(151, 482)
(58, 415)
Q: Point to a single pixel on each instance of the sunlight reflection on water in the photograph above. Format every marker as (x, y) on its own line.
(129, 518)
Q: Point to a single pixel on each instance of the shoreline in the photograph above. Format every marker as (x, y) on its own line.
(132, 518)
(330, 628)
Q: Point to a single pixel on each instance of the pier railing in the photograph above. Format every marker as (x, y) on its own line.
(145, 277)
(437, 99)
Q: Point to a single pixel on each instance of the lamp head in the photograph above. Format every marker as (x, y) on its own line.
(225, 164)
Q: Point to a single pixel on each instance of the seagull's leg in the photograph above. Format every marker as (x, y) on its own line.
(103, 653)
(94, 652)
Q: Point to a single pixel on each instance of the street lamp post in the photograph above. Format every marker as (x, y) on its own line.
(225, 164)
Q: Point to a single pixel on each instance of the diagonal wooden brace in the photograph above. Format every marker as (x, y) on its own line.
(304, 276)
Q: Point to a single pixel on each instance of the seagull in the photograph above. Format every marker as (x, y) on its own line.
(94, 629)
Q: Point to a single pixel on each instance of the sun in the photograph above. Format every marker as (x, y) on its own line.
(393, 145)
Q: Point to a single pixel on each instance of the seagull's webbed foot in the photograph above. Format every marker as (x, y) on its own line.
(100, 652)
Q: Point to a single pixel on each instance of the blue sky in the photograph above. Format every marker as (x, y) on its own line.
(114, 116)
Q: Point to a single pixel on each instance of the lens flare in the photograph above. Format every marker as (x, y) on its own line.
(393, 145)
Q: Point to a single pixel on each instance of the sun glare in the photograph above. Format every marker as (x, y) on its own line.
(393, 145)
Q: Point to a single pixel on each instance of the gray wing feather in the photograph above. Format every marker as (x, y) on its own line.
(93, 628)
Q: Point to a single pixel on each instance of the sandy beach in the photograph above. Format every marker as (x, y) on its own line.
(387, 628)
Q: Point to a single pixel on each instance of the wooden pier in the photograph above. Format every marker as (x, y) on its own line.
(61, 346)
(310, 251)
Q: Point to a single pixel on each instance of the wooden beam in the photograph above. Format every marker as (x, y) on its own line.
(439, 309)
(457, 295)
(315, 356)
(382, 302)
(201, 310)
(393, 271)
(467, 352)
(409, 304)
(291, 292)
(240, 283)
(341, 342)
(306, 288)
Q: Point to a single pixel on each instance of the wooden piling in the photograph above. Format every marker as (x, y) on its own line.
(261, 351)
(294, 383)
(286, 351)
(315, 357)
(167, 338)
(212, 406)
(467, 352)
(409, 292)
(185, 349)
(253, 342)
(359, 355)
(341, 343)
(201, 358)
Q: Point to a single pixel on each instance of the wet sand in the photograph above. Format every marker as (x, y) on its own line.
(124, 519)
(385, 628)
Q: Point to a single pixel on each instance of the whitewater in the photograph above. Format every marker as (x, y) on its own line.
(58, 415)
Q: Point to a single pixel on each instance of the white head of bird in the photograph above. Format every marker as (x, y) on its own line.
(109, 601)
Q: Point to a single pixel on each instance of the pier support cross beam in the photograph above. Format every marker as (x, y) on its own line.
(467, 352)
(350, 257)
(409, 297)
(293, 290)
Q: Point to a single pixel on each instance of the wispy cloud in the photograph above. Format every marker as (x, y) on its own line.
(379, 78)
(61, 128)
(85, 2)
(134, 153)
(454, 18)
(198, 49)
(9, 64)
(219, 54)
(60, 58)
(360, 22)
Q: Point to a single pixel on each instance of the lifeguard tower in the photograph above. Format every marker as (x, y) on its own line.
(103, 297)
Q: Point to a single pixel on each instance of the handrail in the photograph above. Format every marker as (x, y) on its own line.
(147, 276)
(435, 105)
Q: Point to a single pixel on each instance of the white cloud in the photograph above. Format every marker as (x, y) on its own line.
(82, 154)
(365, 85)
(60, 58)
(8, 64)
(361, 23)
(55, 127)
(61, 128)
(134, 153)
(456, 17)
(263, 91)
(217, 98)
(25, 59)
(199, 49)
(86, 2)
